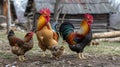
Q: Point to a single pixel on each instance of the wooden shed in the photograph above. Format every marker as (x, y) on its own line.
(75, 9)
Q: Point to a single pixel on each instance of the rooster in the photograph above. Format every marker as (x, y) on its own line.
(77, 40)
(48, 39)
(44, 19)
(20, 46)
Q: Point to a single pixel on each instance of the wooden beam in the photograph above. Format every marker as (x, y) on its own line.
(56, 9)
(3, 16)
(60, 19)
(106, 34)
(78, 20)
(115, 39)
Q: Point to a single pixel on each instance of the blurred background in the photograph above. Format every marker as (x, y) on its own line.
(21, 13)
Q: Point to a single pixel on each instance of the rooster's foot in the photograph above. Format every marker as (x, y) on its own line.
(81, 56)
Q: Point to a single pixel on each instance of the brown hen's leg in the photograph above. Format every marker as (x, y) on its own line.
(81, 56)
(22, 58)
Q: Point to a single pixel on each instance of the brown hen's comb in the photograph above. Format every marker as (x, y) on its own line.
(45, 11)
(31, 33)
(89, 16)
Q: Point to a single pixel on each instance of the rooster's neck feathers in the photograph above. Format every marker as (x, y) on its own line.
(27, 38)
(42, 21)
(84, 27)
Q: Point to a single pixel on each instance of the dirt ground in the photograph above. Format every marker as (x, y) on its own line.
(7, 59)
(65, 61)
(69, 59)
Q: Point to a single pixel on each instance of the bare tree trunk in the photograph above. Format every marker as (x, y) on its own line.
(8, 17)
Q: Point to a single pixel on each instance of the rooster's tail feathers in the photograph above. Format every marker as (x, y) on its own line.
(54, 26)
(65, 29)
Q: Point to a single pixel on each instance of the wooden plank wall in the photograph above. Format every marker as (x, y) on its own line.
(100, 24)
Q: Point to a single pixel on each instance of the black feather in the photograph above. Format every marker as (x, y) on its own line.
(65, 29)
(79, 47)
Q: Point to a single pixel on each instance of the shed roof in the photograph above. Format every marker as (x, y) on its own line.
(77, 6)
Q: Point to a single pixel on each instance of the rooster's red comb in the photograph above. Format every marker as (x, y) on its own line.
(88, 16)
(45, 11)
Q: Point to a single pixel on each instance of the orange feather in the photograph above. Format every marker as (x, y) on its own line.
(71, 38)
(84, 27)
(41, 22)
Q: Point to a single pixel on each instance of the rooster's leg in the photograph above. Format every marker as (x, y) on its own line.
(81, 56)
